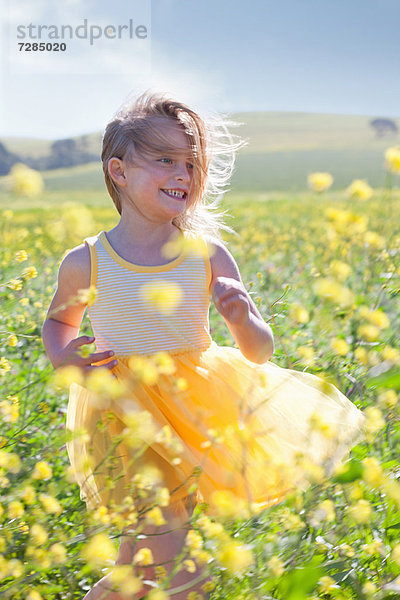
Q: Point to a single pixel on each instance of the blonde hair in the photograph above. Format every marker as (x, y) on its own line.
(133, 132)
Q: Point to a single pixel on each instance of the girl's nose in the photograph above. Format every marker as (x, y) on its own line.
(182, 172)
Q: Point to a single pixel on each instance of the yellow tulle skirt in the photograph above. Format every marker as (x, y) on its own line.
(212, 423)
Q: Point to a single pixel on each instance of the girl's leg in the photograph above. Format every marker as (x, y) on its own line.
(165, 543)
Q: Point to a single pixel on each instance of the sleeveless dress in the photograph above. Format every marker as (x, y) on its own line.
(193, 412)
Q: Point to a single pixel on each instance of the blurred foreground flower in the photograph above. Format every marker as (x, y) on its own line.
(87, 295)
(319, 182)
(162, 295)
(360, 189)
(392, 156)
(99, 551)
(26, 181)
(329, 289)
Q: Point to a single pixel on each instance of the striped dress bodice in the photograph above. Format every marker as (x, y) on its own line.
(147, 309)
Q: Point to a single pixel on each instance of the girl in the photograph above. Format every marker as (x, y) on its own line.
(248, 426)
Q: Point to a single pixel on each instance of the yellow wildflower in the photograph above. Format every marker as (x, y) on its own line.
(387, 399)
(276, 566)
(228, 505)
(42, 470)
(375, 547)
(299, 314)
(127, 583)
(144, 557)
(164, 363)
(64, 376)
(21, 256)
(194, 540)
(395, 554)
(368, 332)
(162, 295)
(12, 340)
(10, 461)
(319, 182)
(372, 472)
(360, 189)
(331, 290)
(373, 239)
(307, 354)
(87, 295)
(235, 556)
(29, 273)
(374, 419)
(58, 553)
(361, 355)
(33, 595)
(5, 366)
(38, 534)
(144, 369)
(99, 551)
(339, 269)
(392, 156)
(391, 354)
(369, 588)
(156, 594)
(340, 346)
(378, 318)
(155, 516)
(327, 584)
(189, 565)
(26, 181)
(361, 511)
(50, 504)
(15, 509)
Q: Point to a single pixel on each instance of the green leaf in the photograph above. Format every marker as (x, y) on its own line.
(297, 584)
(352, 470)
(389, 379)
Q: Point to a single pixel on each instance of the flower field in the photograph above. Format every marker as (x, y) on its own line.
(323, 268)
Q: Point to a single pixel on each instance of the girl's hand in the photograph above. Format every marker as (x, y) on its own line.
(70, 355)
(231, 300)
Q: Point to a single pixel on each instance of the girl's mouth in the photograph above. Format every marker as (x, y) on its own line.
(177, 194)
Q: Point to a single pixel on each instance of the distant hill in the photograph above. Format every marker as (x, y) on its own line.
(283, 147)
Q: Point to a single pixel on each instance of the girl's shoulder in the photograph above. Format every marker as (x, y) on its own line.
(222, 262)
(76, 264)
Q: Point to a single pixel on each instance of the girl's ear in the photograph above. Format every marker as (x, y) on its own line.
(116, 170)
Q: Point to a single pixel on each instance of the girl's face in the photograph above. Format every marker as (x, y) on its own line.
(159, 185)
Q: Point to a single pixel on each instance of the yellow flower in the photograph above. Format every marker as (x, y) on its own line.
(369, 588)
(33, 595)
(12, 340)
(392, 489)
(329, 289)
(395, 554)
(378, 318)
(319, 182)
(368, 332)
(392, 156)
(374, 419)
(127, 583)
(140, 428)
(162, 295)
(235, 556)
(387, 399)
(38, 534)
(189, 565)
(372, 472)
(26, 181)
(228, 505)
(50, 504)
(340, 346)
(87, 295)
(307, 354)
(156, 594)
(58, 552)
(164, 363)
(104, 386)
(21, 255)
(391, 354)
(155, 516)
(15, 509)
(194, 540)
(42, 470)
(28, 494)
(99, 551)
(10, 461)
(144, 557)
(179, 244)
(162, 496)
(359, 188)
(5, 366)
(373, 239)
(327, 584)
(339, 269)
(361, 511)
(276, 566)
(29, 273)
(144, 369)
(64, 376)
(361, 355)
(299, 314)
(375, 547)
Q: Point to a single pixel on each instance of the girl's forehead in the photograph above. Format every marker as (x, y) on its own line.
(170, 136)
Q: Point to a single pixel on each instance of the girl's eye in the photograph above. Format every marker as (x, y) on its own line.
(167, 161)
(190, 166)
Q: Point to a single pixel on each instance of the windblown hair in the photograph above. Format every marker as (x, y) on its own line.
(134, 133)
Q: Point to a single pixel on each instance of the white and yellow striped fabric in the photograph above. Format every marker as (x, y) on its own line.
(124, 321)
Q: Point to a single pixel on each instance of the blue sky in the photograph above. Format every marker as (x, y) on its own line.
(324, 56)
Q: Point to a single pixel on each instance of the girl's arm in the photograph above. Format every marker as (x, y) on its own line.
(61, 327)
(253, 336)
